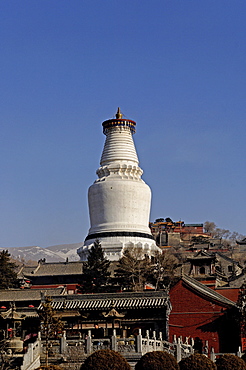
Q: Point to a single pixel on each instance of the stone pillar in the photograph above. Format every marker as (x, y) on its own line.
(63, 343)
(160, 339)
(192, 346)
(139, 342)
(114, 341)
(89, 343)
(154, 338)
(212, 355)
(178, 350)
(147, 337)
(205, 349)
(31, 351)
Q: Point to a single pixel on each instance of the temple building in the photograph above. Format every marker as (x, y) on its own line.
(119, 200)
(205, 315)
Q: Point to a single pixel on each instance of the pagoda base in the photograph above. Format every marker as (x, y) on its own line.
(114, 246)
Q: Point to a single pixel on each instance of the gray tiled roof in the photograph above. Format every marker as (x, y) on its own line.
(102, 301)
(15, 295)
(30, 313)
(19, 313)
(206, 291)
(225, 257)
(52, 269)
(27, 269)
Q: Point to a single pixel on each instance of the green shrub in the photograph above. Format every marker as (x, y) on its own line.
(157, 360)
(196, 362)
(230, 362)
(105, 359)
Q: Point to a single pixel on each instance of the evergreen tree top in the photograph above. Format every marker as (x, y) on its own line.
(8, 275)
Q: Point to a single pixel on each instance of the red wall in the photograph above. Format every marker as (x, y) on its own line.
(231, 294)
(194, 316)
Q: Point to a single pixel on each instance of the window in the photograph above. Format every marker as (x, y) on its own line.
(230, 268)
(202, 270)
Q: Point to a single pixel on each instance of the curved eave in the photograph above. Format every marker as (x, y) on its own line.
(91, 302)
(204, 291)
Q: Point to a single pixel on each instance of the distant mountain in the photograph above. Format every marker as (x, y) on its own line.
(66, 250)
(54, 253)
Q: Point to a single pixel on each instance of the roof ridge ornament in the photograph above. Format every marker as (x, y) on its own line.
(118, 115)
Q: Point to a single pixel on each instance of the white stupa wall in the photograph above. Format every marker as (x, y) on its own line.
(122, 205)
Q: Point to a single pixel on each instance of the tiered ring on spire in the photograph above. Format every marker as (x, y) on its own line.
(118, 121)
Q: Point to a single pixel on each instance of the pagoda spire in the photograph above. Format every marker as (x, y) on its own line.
(119, 115)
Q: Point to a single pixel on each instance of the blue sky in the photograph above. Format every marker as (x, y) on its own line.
(178, 68)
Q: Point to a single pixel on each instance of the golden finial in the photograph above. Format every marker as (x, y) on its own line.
(118, 115)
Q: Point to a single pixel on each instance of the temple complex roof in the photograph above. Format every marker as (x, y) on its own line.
(130, 300)
(20, 295)
(53, 269)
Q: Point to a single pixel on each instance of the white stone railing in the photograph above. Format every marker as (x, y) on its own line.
(31, 359)
(214, 355)
(126, 346)
(136, 345)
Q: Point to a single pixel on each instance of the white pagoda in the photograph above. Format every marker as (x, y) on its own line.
(119, 200)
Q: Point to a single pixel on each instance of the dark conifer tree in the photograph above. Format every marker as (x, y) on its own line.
(95, 271)
(8, 275)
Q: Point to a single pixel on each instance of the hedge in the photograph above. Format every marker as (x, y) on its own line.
(157, 360)
(196, 362)
(105, 359)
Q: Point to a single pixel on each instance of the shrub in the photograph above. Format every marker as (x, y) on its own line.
(230, 362)
(196, 362)
(105, 359)
(157, 360)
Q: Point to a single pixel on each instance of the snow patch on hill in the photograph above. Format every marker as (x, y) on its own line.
(54, 253)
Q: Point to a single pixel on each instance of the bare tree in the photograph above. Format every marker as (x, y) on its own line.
(227, 237)
(135, 269)
(209, 227)
(50, 325)
(132, 269)
(162, 269)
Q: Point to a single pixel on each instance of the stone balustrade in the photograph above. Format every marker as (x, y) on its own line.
(132, 348)
(137, 346)
(31, 359)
